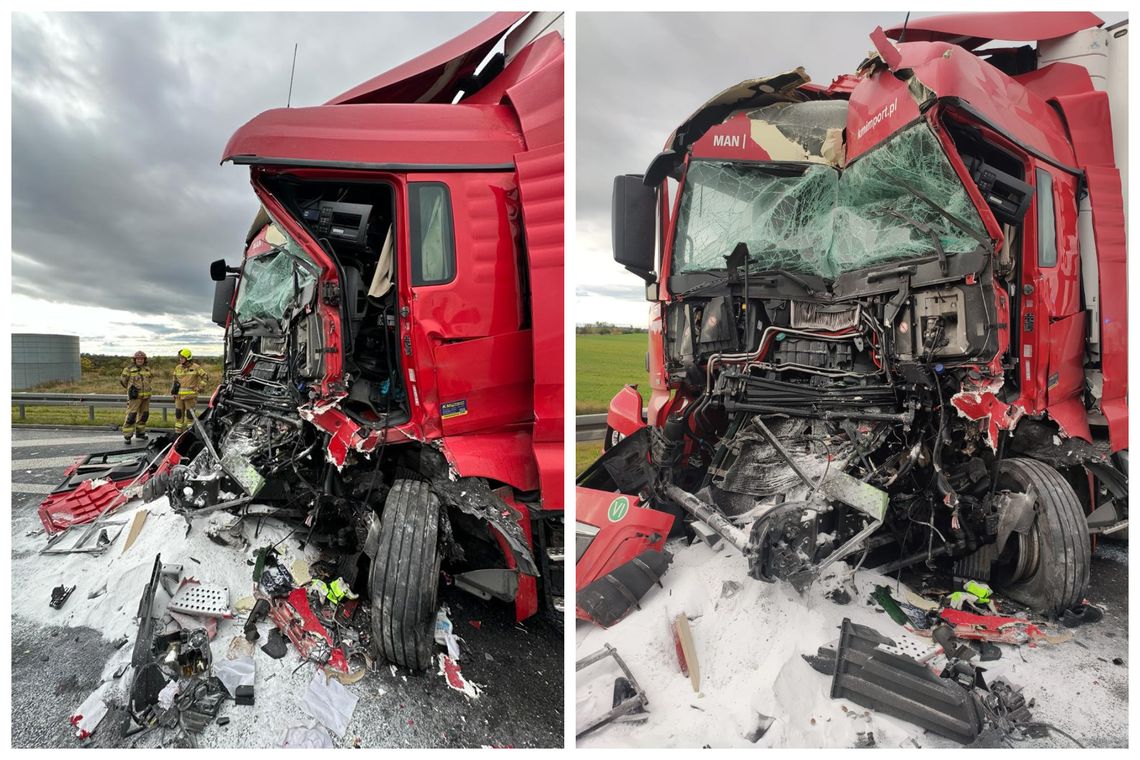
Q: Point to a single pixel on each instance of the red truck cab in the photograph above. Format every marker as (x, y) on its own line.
(914, 278)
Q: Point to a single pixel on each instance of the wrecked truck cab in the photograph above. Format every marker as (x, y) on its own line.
(392, 333)
(881, 313)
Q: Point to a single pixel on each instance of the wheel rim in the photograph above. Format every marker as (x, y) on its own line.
(1028, 554)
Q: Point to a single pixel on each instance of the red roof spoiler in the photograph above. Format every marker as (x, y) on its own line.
(973, 29)
(434, 76)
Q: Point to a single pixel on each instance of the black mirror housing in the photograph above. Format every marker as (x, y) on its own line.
(635, 224)
(219, 270)
(223, 297)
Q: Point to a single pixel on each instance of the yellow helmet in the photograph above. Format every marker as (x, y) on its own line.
(185, 353)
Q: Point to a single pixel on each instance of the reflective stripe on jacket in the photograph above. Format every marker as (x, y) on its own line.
(135, 376)
(191, 378)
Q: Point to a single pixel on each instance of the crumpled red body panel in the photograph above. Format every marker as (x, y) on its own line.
(59, 512)
(295, 618)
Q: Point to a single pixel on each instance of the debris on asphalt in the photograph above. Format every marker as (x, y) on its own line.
(259, 612)
(329, 702)
(445, 634)
(628, 696)
(873, 672)
(307, 737)
(235, 673)
(756, 733)
(133, 531)
(1081, 614)
(449, 669)
(59, 595)
(686, 650)
(277, 645)
(90, 714)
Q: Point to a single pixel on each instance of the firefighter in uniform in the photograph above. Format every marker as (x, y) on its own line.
(189, 381)
(136, 379)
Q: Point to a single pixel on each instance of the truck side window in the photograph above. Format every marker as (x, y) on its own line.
(433, 239)
(1046, 226)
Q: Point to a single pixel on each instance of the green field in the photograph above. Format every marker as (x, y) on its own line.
(605, 364)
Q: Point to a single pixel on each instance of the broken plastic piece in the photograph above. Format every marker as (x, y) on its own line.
(59, 595)
(897, 685)
(243, 695)
(277, 645)
(610, 598)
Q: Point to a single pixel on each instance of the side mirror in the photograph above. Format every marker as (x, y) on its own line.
(219, 271)
(634, 224)
(223, 297)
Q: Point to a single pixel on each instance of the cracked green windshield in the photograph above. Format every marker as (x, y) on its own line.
(813, 219)
(272, 281)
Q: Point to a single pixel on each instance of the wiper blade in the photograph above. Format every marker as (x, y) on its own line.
(943, 264)
(961, 225)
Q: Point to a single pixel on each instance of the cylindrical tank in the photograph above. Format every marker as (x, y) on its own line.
(41, 358)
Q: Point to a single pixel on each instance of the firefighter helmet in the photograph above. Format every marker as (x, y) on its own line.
(185, 353)
(141, 354)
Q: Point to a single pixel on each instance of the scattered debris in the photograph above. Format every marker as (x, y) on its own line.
(608, 599)
(307, 737)
(235, 673)
(756, 733)
(871, 675)
(330, 702)
(59, 595)
(90, 714)
(277, 645)
(136, 527)
(633, 697)
(196, 599)
(686, 650)
(729, 589)
(444, 633)
(259, 612)
(1081, 614)
(449, 669)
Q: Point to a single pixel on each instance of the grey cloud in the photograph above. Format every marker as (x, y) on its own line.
(118, 125)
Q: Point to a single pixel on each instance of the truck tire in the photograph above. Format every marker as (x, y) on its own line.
(405, 575)
(1048, 568)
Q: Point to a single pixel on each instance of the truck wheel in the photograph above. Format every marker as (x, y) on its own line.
(405, 575)
(1048, 567)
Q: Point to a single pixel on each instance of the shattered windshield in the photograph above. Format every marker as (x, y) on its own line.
(814, 219)
(271, 282)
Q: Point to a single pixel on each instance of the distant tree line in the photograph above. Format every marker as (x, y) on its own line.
(607, 328)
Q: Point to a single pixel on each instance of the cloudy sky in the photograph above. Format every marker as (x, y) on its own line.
(640, 75)
(118, 124)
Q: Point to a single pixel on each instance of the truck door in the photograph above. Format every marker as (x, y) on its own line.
(468, 341)
(1060, 317)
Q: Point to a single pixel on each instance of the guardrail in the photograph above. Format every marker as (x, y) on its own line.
(92, 401)
(588, 427)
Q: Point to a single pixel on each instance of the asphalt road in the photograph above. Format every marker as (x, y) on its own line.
(54, 669)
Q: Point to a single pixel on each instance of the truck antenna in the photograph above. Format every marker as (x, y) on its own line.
(902, 34)
(289, 100)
